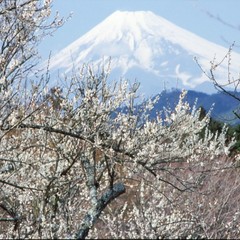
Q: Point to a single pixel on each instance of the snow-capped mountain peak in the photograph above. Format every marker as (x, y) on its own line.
(149, 48)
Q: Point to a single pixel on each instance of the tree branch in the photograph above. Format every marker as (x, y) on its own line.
(94, 213)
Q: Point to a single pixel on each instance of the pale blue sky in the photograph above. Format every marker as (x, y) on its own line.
(192, 15)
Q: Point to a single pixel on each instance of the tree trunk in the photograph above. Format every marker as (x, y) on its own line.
(94, 213)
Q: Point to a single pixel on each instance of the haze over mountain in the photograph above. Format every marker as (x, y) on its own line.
(148, 48)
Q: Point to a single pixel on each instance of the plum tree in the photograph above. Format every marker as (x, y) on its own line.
(85, 160)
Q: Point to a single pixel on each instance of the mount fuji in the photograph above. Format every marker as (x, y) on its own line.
(150, 49)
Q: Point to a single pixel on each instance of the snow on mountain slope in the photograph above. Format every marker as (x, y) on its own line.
(148, 48)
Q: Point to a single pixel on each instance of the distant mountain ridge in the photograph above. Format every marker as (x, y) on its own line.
(223, 105)
(149, 48)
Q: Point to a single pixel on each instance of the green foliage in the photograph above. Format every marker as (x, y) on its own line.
(235, 131)
(217, 126)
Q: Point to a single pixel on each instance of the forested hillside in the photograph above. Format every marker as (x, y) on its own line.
(220, 104)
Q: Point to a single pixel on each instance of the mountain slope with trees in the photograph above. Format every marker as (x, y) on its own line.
(220, 104)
